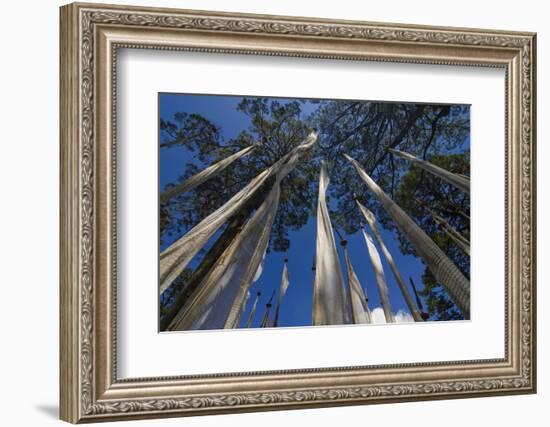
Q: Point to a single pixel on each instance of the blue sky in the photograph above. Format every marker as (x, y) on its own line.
(296, 306)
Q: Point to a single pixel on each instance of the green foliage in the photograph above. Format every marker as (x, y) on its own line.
(279, 126)
(168, 297)
(191, 131)
(364, 130)
(418, 189)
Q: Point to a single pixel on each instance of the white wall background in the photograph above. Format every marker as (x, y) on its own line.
(29, 170)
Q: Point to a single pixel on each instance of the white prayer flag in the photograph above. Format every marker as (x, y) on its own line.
(216, 303)
(176, 257)
(328, 289)
(454, 235)
(204, 175)
(371, 220)
(460, 181)
(213, 305)
(380, 277)
(359, 308)
(444, 270)
(282, 290)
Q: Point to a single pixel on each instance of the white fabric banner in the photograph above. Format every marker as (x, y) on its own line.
(282, 290)
(175, 258)
(460, 181)
(204, 175)
(449, 230)
(217, 302)
(286, 168)
(210, 306)
(380, 277)
(444, 270)
(329, 306)
(237, 319)
(358, 300)
(371, 220)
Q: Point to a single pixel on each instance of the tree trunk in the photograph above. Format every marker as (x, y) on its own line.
(413, 117)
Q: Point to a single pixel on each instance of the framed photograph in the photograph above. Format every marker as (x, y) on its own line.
(267, 212)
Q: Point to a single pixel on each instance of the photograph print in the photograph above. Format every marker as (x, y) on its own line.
(285, 212)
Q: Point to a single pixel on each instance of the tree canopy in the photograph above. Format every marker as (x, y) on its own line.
(418, 191)
(363, 129)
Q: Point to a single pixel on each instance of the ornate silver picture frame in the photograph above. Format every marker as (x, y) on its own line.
(91, 35)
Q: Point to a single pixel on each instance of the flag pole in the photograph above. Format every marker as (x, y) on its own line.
(253, 310)
(282, 290)
(265, 320)
(424, 315)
